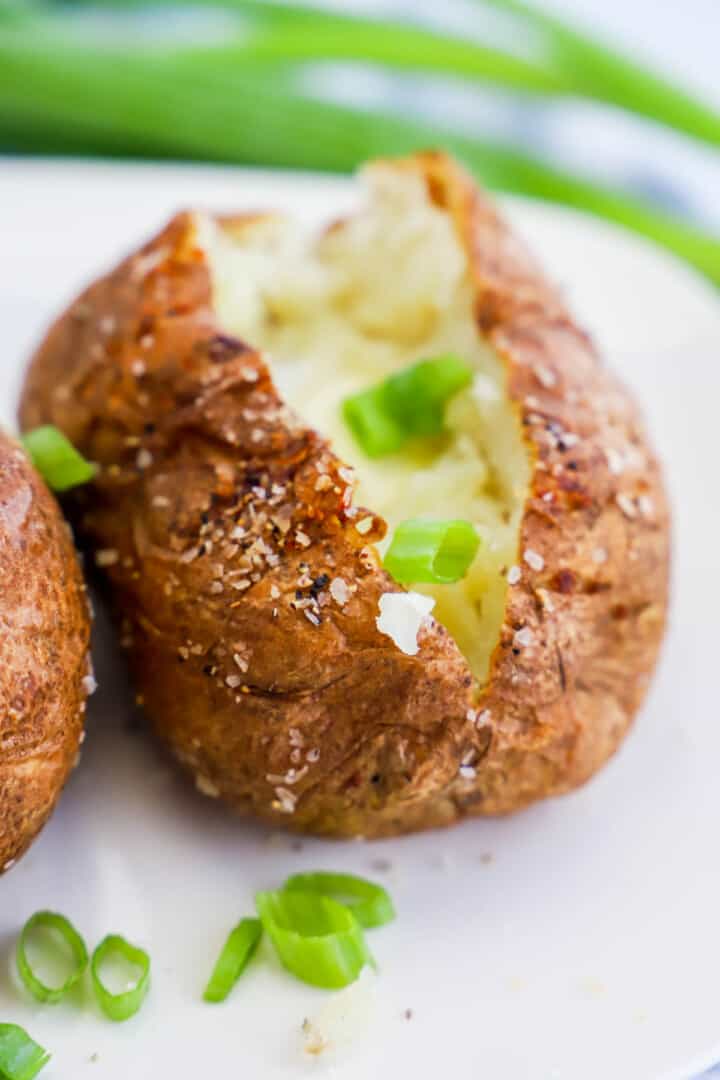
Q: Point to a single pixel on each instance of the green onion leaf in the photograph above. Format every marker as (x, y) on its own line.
(123, 1005)
(431, 552)
(407, 405)
(317, 939)
(58, 925)
(69, 92)
(370, 903)
(236, 953)
(56, 459)
(21, 1058)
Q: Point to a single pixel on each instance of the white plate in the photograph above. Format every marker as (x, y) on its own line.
(577, 941)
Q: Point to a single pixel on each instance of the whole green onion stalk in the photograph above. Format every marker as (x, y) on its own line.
(66, 86)
(552, 56)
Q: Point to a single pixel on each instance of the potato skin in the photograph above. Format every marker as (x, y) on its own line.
(274, 696)
(43, 653)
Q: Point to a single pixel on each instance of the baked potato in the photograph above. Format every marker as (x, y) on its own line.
(206, 373)
(45, 672)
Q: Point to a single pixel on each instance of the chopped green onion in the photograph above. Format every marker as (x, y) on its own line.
(21, 1058)
(56, 459)
(58, 924)
(416, 397)
(374, 429)
(236, 953)
(317, 939)
(406, 405)
(125, 1004)
(431, 552)
(370, 903)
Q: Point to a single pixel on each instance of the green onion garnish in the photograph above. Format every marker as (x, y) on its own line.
(431, 552)
(407, 405)
(125, 1004)
(416, 397)
(21, 1058)
(58, 925)
(56, 459)
(317, 939)
(372, 425)
(236, 953)
(370, 903)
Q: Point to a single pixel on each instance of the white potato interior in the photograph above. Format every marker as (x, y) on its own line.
(338, 312)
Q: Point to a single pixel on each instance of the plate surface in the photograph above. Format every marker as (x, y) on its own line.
(577, 940)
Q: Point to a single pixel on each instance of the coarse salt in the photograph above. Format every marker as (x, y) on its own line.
(545, 376)
(206, 786)
(89, 682)
(339, 591)
(285, 800)
(626, 504)
(106, 557)
(615, 460)
(534, 560)
(523, 637)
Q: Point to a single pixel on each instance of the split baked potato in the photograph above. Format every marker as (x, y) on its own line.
(45, 672)
(243, 556)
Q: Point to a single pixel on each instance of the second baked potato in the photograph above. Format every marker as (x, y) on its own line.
(45, 672)
(206, 374)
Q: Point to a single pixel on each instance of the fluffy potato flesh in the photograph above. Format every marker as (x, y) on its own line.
(338, 312)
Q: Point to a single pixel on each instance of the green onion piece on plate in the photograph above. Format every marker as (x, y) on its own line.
(56, 459)
(407, 405)
(431, 552)
(317, 939)
(370, 903)
(123, 1005)
(58, 925)
(21, 1058)
(232, 961)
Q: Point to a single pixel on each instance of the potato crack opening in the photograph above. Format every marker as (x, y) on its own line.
(338, 311)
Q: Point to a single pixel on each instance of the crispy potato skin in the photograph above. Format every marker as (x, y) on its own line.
(43, 653)
(303, 713)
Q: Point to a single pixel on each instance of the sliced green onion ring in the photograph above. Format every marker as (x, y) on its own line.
(370, 903)
(431, 552)
(56, 459)
(407, 405)
(21, 1058)
(317, 939)
(50, 920)
(125, 1004)
(234, 958)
